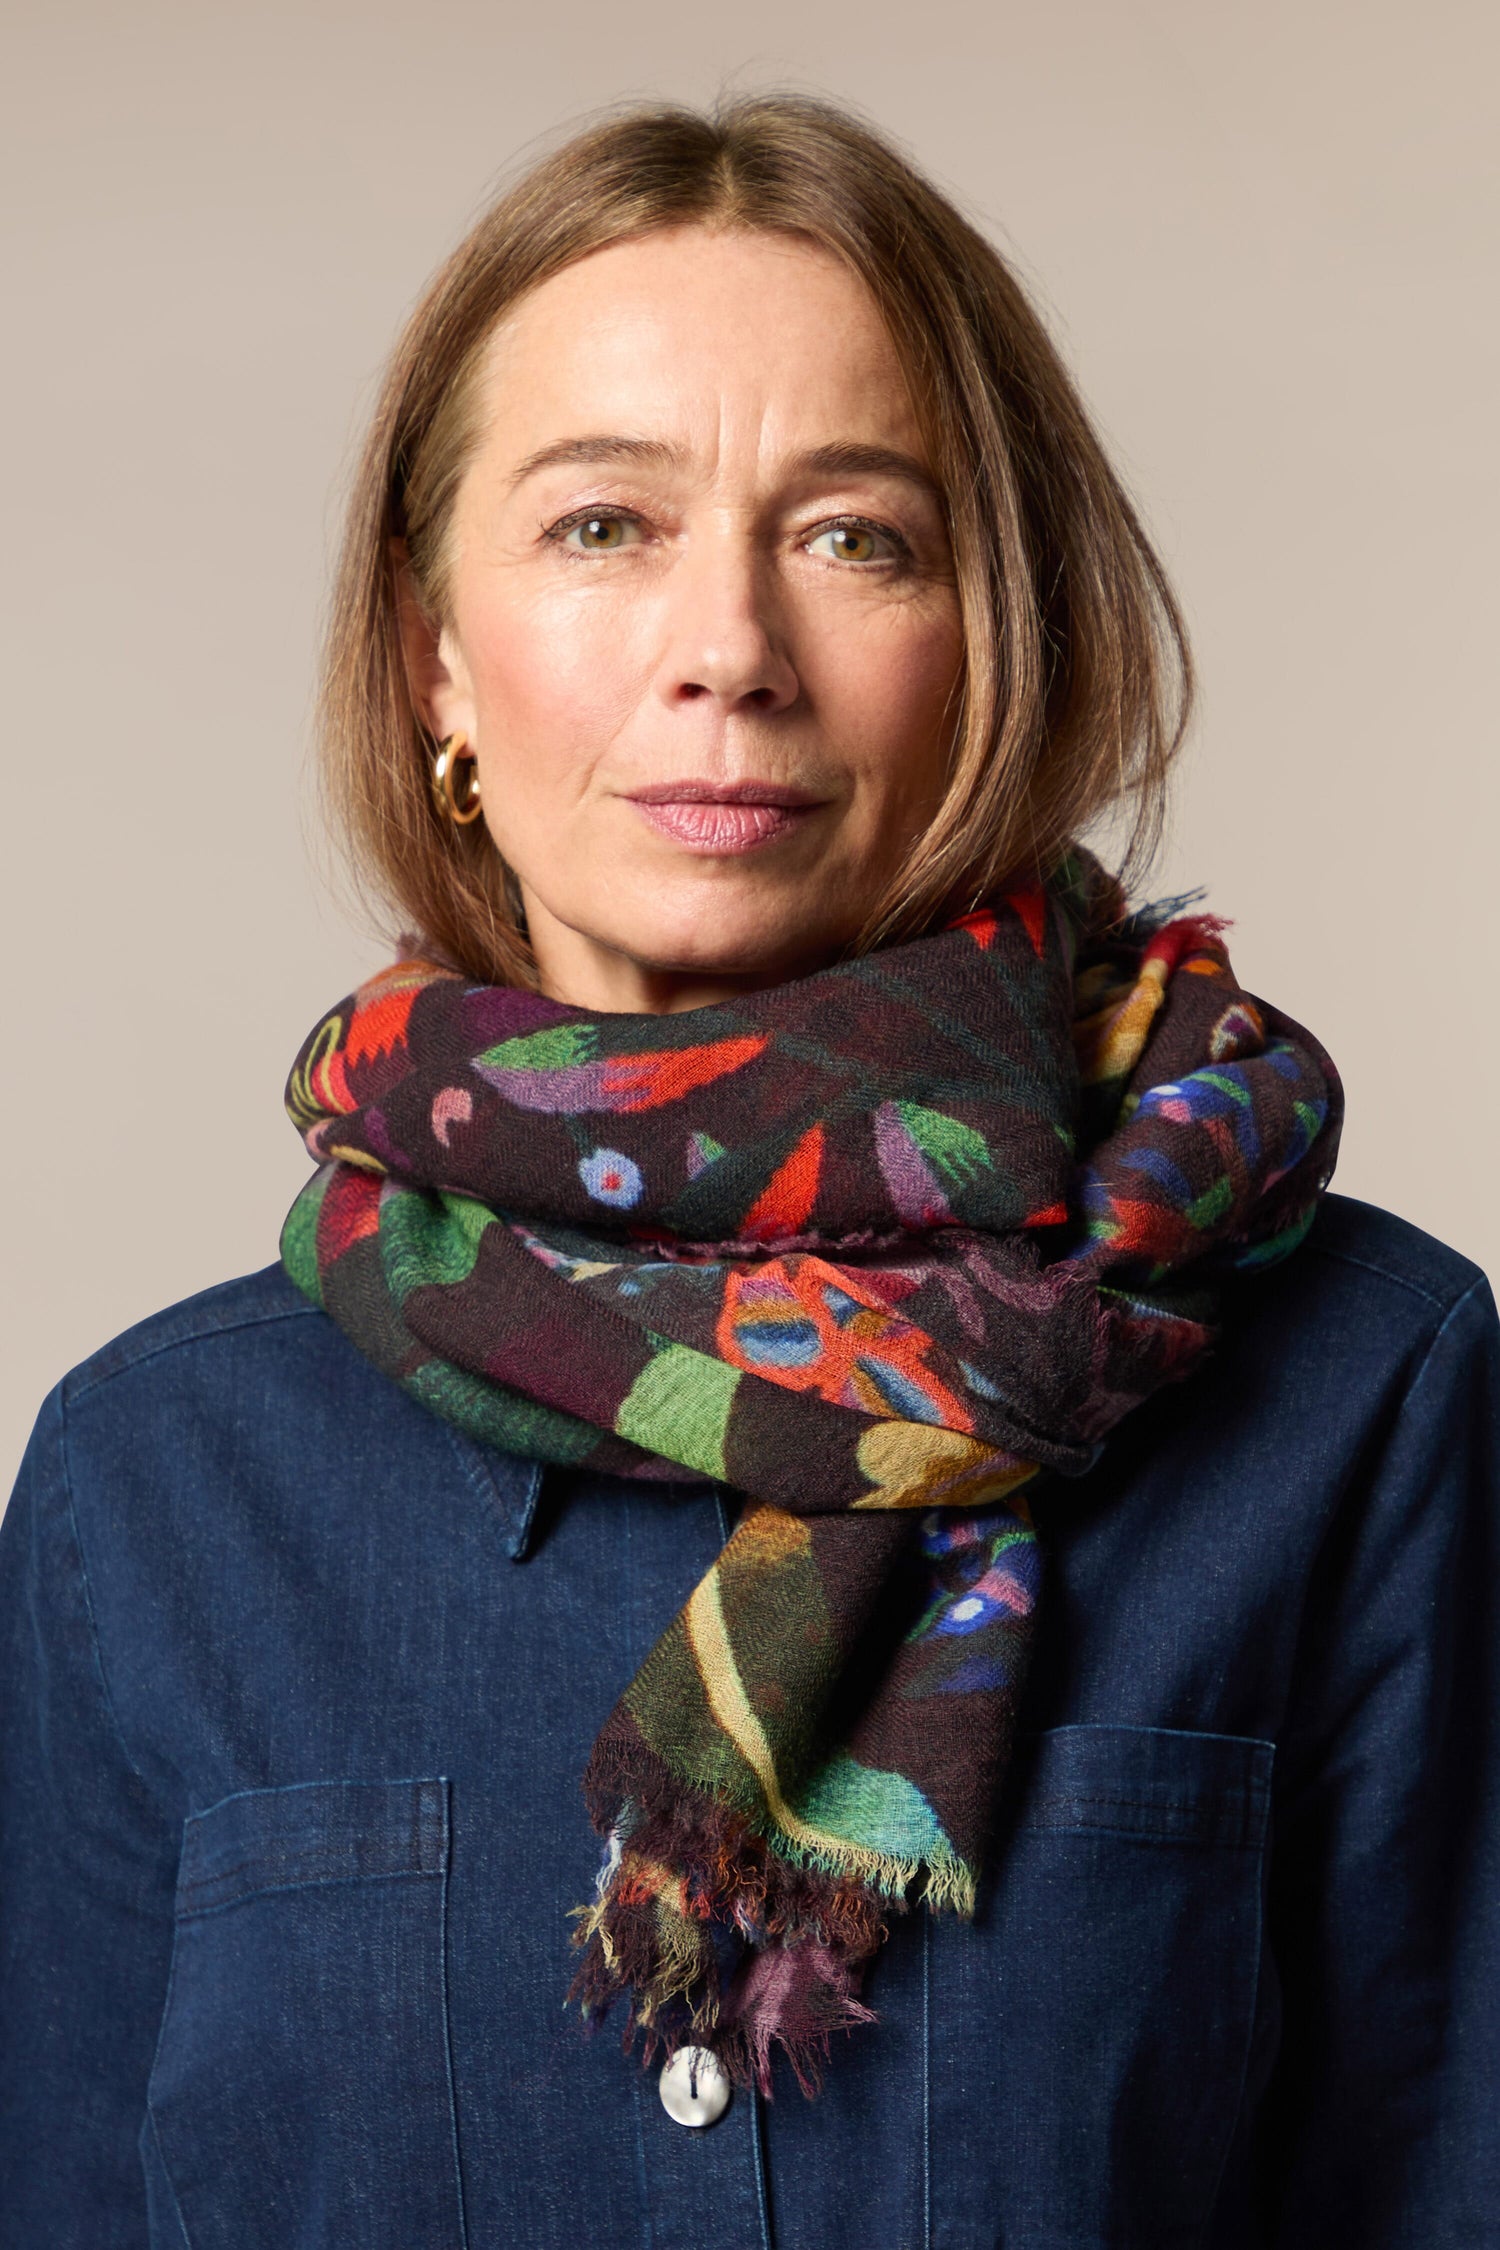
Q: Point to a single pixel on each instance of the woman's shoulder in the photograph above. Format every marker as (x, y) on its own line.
(1365, 1240)
(1370, 1310)
(243, 1405)
(228, 1318)
(249, 1370)
(1375, 1341)
(1369, 1296)
(1363, 1263)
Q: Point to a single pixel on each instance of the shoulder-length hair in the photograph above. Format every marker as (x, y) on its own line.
(1076, 680)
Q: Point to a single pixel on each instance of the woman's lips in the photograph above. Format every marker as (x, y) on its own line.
(721, 817)
(715, 826)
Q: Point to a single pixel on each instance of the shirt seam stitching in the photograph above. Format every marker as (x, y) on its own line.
(444, 1905)
(82, 1385)
(1384, 1273)
(161, 2158)
(96, 1644)
(1249, 2039)
(1479, 1282)
(190, 1911)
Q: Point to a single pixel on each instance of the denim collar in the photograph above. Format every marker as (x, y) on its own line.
(507, 1483)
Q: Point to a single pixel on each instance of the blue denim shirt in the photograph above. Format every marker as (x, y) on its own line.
(298, 1683)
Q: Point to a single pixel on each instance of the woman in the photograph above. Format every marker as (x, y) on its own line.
(780, 1200)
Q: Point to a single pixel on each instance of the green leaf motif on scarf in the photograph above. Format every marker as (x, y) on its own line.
(430, 1239)
(497, 1416)
(678, 1406)
(1213, 1203)
(562, 1048)
(876, 1810)
(299, 1236)
(955, 1150)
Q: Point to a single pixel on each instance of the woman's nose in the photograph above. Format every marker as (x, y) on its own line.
(724, 638)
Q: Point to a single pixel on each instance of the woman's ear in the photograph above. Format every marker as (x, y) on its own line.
(436, 676)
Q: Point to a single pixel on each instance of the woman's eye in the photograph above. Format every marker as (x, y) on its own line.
(598, 535)
(853, 542)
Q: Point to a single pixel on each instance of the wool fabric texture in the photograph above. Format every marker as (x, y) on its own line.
(876, 1247)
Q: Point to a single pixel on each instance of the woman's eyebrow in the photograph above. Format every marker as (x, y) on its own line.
(842, 458)
(598, 451)
(847, 459)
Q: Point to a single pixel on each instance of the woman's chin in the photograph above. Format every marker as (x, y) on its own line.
(717, 946)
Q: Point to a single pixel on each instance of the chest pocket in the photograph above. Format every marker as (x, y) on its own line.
(1090, 2029)
(301, 2094)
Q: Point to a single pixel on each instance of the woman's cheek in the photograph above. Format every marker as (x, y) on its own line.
(885, 695)
(556, 678)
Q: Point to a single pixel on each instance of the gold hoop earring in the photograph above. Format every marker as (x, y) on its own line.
(453, 751)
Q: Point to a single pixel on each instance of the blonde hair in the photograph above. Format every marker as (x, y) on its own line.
(1077, 678)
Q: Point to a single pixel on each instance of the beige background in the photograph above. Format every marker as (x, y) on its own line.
(1265, 238)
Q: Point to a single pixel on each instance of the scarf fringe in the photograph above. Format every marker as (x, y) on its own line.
(617, 1788)
(724, 1935)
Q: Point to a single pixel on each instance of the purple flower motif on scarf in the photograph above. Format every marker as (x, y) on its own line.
(914, 1191)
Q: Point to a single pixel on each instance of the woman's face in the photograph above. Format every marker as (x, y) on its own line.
(703, 628)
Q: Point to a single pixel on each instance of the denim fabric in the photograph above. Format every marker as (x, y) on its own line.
(296, 1686)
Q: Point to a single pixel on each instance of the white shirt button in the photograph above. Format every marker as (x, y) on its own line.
(695, 2086)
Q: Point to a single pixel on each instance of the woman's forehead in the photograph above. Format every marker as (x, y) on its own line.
(698, 339)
